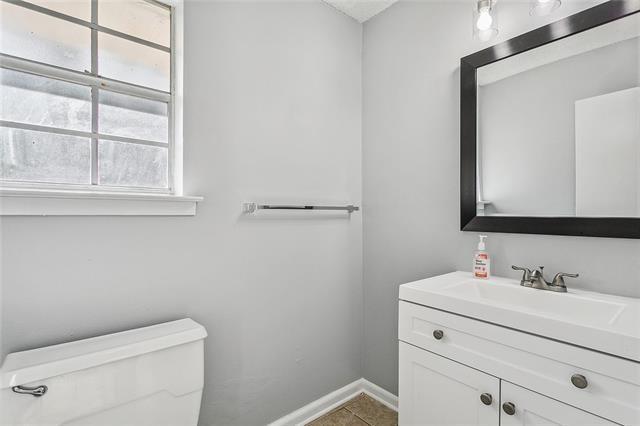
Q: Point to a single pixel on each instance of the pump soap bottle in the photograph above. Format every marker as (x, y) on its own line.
(481, 260)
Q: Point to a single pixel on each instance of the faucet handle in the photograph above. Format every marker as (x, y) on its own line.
(526, 273)
(558, 280)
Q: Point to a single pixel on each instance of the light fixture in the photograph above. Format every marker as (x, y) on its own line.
(484, 20)
(543, 7)
(485, 25)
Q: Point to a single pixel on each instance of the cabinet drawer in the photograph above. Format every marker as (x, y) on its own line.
(542, 365)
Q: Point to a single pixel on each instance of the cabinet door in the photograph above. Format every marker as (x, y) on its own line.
(534, 409)
(437, 391)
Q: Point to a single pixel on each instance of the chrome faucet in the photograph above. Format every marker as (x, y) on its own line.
(535, 279)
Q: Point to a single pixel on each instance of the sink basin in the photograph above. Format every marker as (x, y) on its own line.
(597, 321)
(581, 308)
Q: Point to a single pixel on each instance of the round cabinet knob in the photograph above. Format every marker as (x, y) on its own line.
(579, 381)
(509, 408)
(486, 398)
(438, 334)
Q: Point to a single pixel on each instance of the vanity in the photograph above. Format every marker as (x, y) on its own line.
(549, 144)
(493, 352)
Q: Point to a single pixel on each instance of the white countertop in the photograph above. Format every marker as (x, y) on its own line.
(602, 322)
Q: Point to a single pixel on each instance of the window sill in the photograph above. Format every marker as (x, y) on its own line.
(21, 202)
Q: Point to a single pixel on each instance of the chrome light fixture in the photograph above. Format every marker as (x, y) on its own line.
(543, 7)
(485, 22)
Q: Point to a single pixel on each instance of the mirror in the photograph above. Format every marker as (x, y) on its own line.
(550, 128)
(559, 127)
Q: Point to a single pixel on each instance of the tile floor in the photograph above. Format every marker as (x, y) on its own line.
(359, 411)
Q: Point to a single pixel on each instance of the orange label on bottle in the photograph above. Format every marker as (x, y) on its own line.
(481, 265)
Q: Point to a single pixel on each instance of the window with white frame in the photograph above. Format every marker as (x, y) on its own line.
(86, 91)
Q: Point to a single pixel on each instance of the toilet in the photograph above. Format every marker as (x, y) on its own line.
(145, 376)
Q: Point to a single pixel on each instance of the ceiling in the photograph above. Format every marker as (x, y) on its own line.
(361, 10)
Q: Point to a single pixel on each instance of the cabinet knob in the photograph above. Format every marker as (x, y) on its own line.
(438, 334)
(579, 381)
(486, 398)
(509, 408)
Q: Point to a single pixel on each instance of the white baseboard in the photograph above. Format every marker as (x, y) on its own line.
(379, 394)
(336, 398)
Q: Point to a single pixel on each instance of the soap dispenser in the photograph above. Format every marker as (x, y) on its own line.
(481, 260)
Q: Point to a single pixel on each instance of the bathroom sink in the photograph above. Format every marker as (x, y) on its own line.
(598, 321)
(570, 306)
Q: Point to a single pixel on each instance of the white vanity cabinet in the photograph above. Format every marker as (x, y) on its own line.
(459, 370)
(438, 391)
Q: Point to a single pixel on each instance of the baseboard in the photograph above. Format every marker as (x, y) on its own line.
(379, 394)
(334, 399)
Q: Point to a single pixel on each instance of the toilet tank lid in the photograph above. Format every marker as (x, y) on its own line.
(38, 364)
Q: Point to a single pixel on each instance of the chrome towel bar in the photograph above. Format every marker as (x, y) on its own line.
(254, 207)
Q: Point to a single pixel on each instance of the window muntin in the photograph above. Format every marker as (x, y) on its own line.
(108, 119)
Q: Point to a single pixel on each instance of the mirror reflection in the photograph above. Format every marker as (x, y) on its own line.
(559, 127)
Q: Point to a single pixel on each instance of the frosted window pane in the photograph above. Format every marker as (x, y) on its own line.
(31, 156)
(27, 98)
(138, 18)
(133, 117)
(125, 60)
(42, 38)
(125, 164)
(78, 8)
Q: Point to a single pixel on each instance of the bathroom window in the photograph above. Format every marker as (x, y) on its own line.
(87, 96)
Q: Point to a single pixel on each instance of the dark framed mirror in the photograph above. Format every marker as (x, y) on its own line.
(550, 128)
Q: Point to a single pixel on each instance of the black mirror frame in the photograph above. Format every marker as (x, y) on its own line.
(581, 226)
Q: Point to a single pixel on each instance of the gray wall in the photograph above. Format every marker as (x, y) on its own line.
(411, 55)
(272, 112)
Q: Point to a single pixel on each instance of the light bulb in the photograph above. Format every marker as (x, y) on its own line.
(484, 20)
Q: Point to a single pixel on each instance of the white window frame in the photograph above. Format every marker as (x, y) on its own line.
(31, 198)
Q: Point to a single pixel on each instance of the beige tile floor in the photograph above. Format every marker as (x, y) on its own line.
(359, 411)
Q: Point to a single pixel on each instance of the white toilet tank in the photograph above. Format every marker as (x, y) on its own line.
(147, 376)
